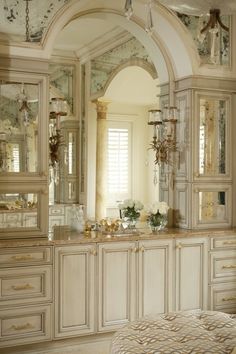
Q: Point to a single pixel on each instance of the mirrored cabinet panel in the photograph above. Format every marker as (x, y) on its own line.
(18, 210)
(19, 110)
(212, 153)
(212, 206)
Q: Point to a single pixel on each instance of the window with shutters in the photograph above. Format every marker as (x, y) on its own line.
(119, 165)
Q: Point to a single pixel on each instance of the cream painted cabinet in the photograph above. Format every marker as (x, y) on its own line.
(222, 285)
(191, 273)
(117, 284)
(135, 279)
(74, 290)
(25, 295)
(155, 258)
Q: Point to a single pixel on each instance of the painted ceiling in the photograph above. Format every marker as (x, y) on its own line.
(13, 18)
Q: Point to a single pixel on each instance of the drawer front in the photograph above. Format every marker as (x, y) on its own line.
(23, 256)
(56, 221)
(226, 242)
(223, 266)
(25, 325)
(56, 210)
(13, 220)
(223, 297)
(25, 285)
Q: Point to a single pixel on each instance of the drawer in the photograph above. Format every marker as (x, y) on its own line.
(58, 210)
(22, 256)
(56, 221)
(223, 297)
(225, 242)
(25, 285)
(25, 325)
(13, 219)
(223, 266)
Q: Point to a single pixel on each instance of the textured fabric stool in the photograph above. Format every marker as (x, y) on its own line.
(194, 332)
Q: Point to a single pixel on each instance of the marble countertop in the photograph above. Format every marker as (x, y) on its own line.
(63, 236)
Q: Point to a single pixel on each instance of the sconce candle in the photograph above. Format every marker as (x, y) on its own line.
(58, 108)
(164, 133)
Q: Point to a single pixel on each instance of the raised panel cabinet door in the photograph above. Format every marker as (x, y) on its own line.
(191, 273)
(155, 258)
(74, 290)
(117, 284)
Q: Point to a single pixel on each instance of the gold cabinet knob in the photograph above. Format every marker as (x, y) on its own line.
(142, 249)
(179, 246)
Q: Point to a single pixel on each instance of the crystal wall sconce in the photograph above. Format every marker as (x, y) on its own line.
(164, 133)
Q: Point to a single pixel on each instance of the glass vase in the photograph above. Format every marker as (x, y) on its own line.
(129, 223)
(160, 226)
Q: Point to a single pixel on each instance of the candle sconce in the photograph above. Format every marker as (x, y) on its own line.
(58, 108)
(164, 133)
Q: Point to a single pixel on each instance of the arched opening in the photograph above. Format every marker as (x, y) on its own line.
(69, 39)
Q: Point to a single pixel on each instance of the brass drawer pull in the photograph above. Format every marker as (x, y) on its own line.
(21, 327)
(230, 266)
(142, 249)
(27, 257)
(22, 287)
(232, 298)
(134, 250)
(229, 242)
(179, 246)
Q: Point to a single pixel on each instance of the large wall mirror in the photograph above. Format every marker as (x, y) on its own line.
(124, 73)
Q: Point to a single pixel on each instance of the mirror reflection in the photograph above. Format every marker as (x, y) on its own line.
(18, 210)
(18, 127)
(212, 130)
(212, 206)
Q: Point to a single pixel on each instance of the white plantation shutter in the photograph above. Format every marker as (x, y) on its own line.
(119, 164)
(15, 158)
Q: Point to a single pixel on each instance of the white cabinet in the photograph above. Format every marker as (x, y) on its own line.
(191, 273)
(135, 279)
(117, 284)
(222, 285)
(155, 279)
(74, 290)
(25, 295)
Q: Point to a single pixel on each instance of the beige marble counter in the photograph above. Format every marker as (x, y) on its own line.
(64, 236)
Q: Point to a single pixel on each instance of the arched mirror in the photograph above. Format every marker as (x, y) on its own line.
(106, 63)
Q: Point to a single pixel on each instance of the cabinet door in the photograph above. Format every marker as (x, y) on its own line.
(74, 294)
(191, 274)
(117, 285)
(155, 276)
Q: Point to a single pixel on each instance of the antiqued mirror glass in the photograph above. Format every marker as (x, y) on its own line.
(18, 210)
(212, 134)
(61, 82)
(212, 206)
(18, 127)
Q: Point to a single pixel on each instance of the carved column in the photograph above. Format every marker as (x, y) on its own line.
(101, 159)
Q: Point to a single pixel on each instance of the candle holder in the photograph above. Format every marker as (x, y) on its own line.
(164, 133)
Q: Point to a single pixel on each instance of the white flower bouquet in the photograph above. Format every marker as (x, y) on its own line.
(158, 215)
(130, 209)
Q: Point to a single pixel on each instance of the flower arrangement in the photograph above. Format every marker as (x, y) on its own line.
(157, 215)
(130, 209)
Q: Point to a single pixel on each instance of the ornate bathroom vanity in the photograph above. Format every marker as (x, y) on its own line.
(83, 288)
